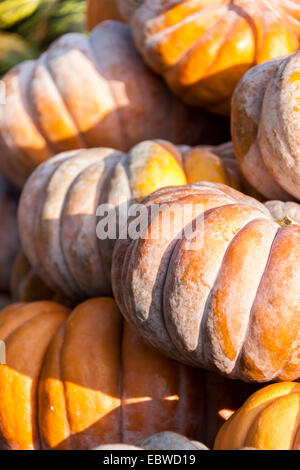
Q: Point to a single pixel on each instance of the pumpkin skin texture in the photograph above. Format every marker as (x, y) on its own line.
(202, 48)
(27, 286)
(60, 200)
(90, 92)
(268, 420)
(76, 390)
(265, 127)
(195, 302)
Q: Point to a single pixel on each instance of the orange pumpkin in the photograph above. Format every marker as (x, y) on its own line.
(203, 47)
(222, 292)
(76, 380)
(265, 127)
(90, 92)
(268, 420)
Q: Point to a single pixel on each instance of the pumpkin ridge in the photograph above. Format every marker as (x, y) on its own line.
(43, 62)
(216, 58)
(17, 79)
(37, 218)
(87, 56)
(240, 352)
(19, 310)
(268, 341)
(249, 438)
(108, 172)
(205, 316)
(121, 377)
(63, 331)
(71, 274)
(76, 165)
(33, 402)
(100, 248)
(182, 245)
(112, 93)
(161, 33)
(31, 203)
(264, 137)
(64, 101)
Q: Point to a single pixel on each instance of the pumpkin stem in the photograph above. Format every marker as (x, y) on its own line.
(287, 221)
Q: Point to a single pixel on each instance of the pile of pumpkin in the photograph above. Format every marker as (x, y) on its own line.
(111, 341)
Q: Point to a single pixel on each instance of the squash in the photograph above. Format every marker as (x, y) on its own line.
(9, 237)
(170, 441)
(60, 200)
(203, 47)
(88, 92)
(223, 286)
(265, 126)
(83, 378)
(268, 420)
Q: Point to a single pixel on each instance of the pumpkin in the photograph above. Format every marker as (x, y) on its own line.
(223, 286)
(9, 238)
(88, 92)
(203, 47)
(265, 126)
(60, 200)
(287, 213)
(268, 420)
(166, 440)
(30, 25)
(212, 163)
(75, 389)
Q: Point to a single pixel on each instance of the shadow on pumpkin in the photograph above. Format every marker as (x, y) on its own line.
(128, 124)
(217, 399)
